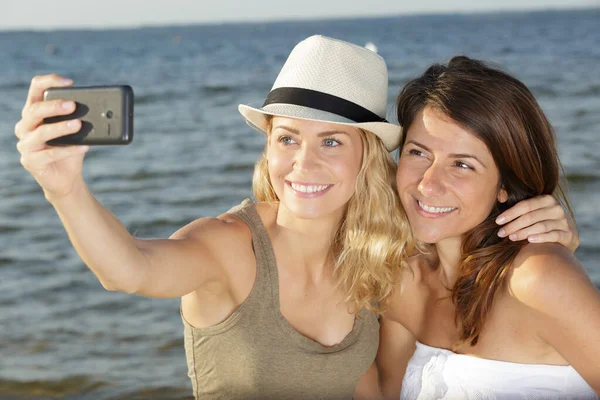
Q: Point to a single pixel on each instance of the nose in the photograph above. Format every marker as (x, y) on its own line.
(306, 158)
(431, 184)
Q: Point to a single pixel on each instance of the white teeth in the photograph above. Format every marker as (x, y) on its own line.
(309, 189)
(436, 210)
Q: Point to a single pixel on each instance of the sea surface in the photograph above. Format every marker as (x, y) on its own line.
(61, 334)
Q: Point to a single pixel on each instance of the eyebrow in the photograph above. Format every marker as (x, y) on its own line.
(320, 134)
(455, 155)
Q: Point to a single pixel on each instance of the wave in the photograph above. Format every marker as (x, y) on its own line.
(151, 98)
(168, 95)
(6, 261)
(163, 393)
(215, 89)
(589, 90)
(543, 91)
(16, 85)
(80, 384)
(142, 175)
(85, 387)
(194, 201)
(5, 228)
(582, 177)
(238, 167)
(176, 344)
(160, 97)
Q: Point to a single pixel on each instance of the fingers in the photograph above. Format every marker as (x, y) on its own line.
(552, 237)
(35, 110)
(553, 216)
(541, 220)
(40, 83)
(36, 140)
(544, 229)
(524, 207)
(34, 114)
(572, 244)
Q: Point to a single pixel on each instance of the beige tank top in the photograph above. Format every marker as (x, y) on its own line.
(256, 354)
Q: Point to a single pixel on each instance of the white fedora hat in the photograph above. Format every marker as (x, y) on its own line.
(330, 80)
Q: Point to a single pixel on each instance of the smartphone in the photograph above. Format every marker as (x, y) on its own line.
(106, 114)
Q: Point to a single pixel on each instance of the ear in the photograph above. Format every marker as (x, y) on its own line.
(502, 195)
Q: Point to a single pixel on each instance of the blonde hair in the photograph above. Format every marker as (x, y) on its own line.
(374, 236)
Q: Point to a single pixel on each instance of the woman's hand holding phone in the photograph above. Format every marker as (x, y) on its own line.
(58, 169)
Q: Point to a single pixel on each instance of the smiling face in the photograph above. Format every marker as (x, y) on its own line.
(447, 179)
(313, 166)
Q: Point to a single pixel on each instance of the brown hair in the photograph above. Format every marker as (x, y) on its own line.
(499, 110)
(374, 236)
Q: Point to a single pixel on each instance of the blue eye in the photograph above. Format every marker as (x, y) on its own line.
(330, 142)
(286, 140)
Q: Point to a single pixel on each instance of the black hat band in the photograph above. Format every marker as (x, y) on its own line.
(322, 101)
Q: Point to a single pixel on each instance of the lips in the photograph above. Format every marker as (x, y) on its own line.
(432, 211)
(308, 190)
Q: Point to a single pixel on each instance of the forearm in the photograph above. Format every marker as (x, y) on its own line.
(396, 346)
(101, 240)
(390, 389)
(368, 386)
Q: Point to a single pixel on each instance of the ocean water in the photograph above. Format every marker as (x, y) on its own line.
(61, 334)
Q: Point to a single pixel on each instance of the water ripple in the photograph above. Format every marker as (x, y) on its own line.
(66, 387)
(63, 335)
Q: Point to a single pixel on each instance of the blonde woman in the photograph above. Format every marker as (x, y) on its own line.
(279, 298)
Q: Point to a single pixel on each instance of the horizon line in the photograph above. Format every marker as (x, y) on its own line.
(277, 20)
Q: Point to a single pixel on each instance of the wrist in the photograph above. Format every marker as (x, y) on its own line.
(76, 192)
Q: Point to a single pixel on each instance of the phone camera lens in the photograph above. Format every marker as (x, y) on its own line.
(108, 114)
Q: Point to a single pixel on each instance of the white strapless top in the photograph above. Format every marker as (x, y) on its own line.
(439, 374)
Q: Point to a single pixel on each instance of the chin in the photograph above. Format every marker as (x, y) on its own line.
(304, 213)
(434, 236)
(313, 208)
(308, 211)
(429, 239)
(428, 235)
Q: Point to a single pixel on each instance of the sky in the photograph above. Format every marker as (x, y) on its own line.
(64, 14)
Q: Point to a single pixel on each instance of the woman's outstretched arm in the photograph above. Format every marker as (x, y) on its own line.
(160, 268)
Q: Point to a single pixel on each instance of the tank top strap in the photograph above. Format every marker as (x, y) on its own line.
(261, 244)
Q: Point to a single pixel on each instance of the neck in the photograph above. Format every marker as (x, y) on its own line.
(307, 242)
(449, 254)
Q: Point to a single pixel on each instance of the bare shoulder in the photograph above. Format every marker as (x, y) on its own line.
(406, 293)
(225, 226)
(545, 263)
(221, 235)
(545, 274)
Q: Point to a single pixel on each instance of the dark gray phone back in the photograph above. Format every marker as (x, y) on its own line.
(106, 113)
